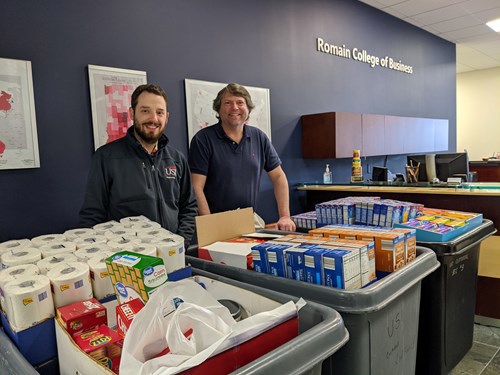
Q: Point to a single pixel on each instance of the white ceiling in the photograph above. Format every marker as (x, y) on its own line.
(459, 21)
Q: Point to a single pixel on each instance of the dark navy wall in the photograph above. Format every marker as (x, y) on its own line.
(265, 43)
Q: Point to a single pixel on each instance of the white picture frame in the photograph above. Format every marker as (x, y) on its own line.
(110, 92)
(18, 132)
(199, 100)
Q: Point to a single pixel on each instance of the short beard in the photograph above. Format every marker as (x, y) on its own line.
(146, 137)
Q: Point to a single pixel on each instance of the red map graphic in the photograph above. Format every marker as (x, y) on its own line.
(5, 100)
(117, 103)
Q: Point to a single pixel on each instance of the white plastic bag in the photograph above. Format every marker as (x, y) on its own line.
(147, 336)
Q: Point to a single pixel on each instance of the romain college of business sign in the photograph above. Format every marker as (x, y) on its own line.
(363, 56)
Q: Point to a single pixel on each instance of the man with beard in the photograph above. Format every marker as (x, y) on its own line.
(140, 174)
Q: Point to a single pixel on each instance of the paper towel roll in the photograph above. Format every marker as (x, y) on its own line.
(99, 276)
(118, 243)
(90, 251)
(171, 250)
(47, 239)
(57, 248)
(153, 234)
(71, 234)
(13, 273)
(89, 240)
(24, 255)
(14, 244)
(127, 222)
(147, 225)
(70, 283)
(28, 301)
(430, 166)
(119, 232)
(48, 263)
(103, 227)
(141, 248)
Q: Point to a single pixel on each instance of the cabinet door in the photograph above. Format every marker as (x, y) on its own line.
(348, 133)
(394, 135)
(440, 135)
(373, 128)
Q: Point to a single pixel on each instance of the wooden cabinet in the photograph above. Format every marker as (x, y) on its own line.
(487, 171)
(336, 134)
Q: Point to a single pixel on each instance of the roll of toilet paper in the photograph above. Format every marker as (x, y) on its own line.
(70, 283)
(57, 248)
(147, 225)
(13, 273)
(47, 239)
(150, 235)
(89, 240)
(14, 244)
(171, 250)
(99, 276)
(127, 222)
(48, 263)
(28, 301)
(141, 248)
(103, 227)
(119, 232)
(24, 255)
(72, 234)
(118, 243)
(90, 251)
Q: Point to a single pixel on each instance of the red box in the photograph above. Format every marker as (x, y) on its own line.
(103, 344)
(240, 355)
(82, 315)
(125, 313)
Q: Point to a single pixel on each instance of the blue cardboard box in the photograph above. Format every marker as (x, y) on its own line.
(37, 344)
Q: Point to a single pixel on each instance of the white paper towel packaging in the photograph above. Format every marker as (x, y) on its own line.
(13, 244)
(127, 222)
(141, 248)
(147, 225)
(57, 248)
(89, 240)
(23, 255)
(48, 263)
(171, 250)
(101, 281)
(103, 227)
(151, 235)
(71, 234)
(47, 239)
(118, 243)
(28, 301)
(13, 273)
(70, 282)
(89, 251)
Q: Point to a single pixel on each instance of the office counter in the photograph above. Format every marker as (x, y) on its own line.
(478, 197)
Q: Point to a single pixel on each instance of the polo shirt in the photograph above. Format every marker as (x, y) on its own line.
(233, 170)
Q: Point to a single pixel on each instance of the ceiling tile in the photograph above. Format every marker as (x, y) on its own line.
(456, 24)
(440, 15)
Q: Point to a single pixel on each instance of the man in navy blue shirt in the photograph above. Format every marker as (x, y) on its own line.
(227, 160)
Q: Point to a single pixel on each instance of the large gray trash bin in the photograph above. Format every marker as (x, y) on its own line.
(382, 319)
(448, 302)
(321, 333)
(12, 362)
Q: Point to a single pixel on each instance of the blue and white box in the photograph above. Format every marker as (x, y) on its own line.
(313, 265)
(342, 269)
(295, 263)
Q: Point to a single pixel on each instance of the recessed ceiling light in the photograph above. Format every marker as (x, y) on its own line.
(495, 25)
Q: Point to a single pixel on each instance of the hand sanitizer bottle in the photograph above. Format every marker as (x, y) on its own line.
(327, 176)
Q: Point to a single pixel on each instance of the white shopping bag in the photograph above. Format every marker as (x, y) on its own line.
(194, 326)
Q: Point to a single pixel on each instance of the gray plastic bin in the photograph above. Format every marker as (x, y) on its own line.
(382, 319)
(12, 362)
(321, 333)
(448, 302)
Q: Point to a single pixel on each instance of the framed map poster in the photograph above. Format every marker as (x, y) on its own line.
(18, 135)
(110, 92)
(199, 99)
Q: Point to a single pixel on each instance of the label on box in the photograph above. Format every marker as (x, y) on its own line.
(82, 316)
(125, 313)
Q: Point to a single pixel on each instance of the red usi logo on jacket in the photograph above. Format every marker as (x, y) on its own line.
(171, 171)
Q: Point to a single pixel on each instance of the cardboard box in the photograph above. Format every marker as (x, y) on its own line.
(342, 269)
(125, 314)
(135, 275)
(82, 316)
(37, 344)
(222, 226)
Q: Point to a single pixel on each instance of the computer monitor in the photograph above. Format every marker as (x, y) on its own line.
(380, 174)
(452, 165)
(447, 165)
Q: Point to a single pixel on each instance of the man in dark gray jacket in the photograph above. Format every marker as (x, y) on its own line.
(140, 174)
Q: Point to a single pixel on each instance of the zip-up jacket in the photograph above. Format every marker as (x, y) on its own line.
(124, 180)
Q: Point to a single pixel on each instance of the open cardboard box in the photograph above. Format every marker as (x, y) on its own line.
(213, 229)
